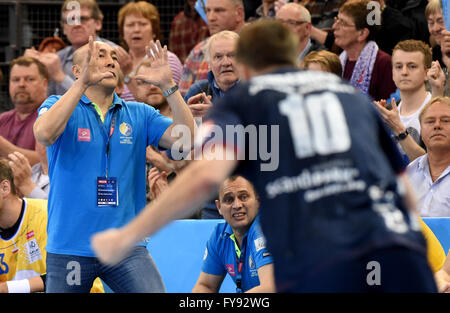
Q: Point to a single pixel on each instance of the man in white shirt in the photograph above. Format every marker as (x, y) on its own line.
(430, 173)
(411, 60)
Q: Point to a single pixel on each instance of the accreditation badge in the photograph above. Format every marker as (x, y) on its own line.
(107, 191)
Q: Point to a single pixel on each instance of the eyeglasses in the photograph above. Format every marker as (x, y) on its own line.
(340, 22)
(292, 22)
(74, 21)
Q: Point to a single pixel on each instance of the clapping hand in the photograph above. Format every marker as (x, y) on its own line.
(436, 78)
(391, 117)
(199, 104)
(159, 62)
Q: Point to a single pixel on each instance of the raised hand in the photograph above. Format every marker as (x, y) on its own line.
(199, 104)
(91, 72)
(21, 169)
(125, 60)
(391, 117)
(51, 61)
(436, 78)
(157, 181)
(159, 62)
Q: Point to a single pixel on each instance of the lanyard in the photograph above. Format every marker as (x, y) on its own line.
(111, 132)
(240, 262)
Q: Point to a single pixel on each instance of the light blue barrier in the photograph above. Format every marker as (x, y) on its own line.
(178, 250)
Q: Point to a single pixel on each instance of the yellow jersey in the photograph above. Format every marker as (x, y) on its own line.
(23, 255)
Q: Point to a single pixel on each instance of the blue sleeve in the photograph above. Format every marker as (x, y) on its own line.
(157, 124)
(212, 263)
(47, 104)
(259, 252)
(195, 89)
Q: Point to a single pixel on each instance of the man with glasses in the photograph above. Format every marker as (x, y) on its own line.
(78, 23)
(297, 18)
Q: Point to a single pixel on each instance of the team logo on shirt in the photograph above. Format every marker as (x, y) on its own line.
(84, 134)
(33, 252)
(42, 111)
(260, 243)
(251, 264)
(230, 269)
(125, 129)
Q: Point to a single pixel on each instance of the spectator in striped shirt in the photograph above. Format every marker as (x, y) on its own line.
(139, 23)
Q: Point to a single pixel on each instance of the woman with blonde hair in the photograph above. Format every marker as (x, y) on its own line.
(323, 60)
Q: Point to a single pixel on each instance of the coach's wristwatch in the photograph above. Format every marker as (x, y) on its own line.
(170, 91)
(401, 136)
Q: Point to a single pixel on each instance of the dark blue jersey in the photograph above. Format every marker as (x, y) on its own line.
(323, 164)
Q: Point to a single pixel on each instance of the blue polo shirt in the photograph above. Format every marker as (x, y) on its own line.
(78, 158)
(222, 255)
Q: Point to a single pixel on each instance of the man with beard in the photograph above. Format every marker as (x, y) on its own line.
(27, 89)
(149, 93)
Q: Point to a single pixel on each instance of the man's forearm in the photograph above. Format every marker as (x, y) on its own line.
(411, 148)
(200, 288)
(181, 114)
(50, 125)
(180, 110)
(7, 147)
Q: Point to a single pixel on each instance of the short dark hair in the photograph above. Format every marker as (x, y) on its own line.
(28, 61)
(358, 10)
(265, 43)
(7, 173)
(232, 178)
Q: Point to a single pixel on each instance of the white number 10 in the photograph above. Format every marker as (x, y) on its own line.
(318, 125)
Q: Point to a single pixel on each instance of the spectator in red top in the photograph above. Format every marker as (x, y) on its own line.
(139, 23)
(187, 29)
(28, 89)
(366, 66)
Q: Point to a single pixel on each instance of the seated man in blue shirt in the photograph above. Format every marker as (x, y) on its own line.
(237, 246)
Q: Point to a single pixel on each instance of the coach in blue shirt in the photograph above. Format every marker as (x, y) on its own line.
(96, 152)
(237, 246)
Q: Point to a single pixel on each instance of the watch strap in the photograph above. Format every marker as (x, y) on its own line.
(170, 91)
(401, 136)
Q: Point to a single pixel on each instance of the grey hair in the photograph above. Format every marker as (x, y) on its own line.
(228, 34)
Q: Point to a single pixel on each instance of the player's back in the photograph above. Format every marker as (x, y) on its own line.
(324, 166)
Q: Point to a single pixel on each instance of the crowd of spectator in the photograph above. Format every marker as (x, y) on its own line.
(395, 52)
